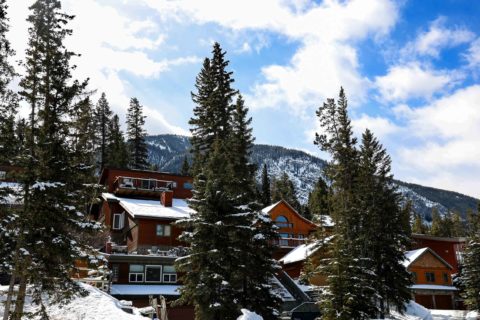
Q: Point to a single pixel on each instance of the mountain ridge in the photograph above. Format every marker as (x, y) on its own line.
(167, 152)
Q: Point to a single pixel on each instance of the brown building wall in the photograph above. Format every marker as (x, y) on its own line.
(300, 225)
(429, 263)
(444, 248)
(147, 233)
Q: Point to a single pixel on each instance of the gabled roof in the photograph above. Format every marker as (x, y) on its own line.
(303, 251)
(413, 255)
(270, 208)
(152, 208)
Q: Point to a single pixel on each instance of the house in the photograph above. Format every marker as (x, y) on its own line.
(450, 249)
(293, 228)
(432, 277)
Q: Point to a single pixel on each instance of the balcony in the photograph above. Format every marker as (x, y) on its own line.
(289, 242)
(128, 186)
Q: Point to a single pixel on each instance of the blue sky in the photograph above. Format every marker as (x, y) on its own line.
(410, 69)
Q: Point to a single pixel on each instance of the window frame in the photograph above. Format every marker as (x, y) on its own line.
(169, 275)
(136, 274)
(154, 266)
(121, 221)
(164, 228)
(428, 278)
(115, 275)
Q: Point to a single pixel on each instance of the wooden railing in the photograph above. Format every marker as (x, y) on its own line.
(131, 183)
(101, 284)
(289, 242)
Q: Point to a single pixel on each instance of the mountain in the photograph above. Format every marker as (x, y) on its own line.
(168, 151)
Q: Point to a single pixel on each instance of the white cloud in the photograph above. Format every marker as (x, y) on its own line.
(404, 82)
(107, 48)
(447, 145)
(381, 127)
(473, 54)
(438, 37)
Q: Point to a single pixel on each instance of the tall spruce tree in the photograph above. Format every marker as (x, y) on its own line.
(185, 170)
(283, 188)
(138, 152)
(230, 264)
(418, 225)
(265, 194)
(116, 151)
(365, 276)
(318, 199)
(470, 273)
(52, 220)
(103, 118)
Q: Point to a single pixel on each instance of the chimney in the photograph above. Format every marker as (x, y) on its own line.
(166, 198)
(108, 247)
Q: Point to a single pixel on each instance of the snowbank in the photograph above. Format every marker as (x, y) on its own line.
(413, 311)
(96, 306)
(249, 315)
(472, 315)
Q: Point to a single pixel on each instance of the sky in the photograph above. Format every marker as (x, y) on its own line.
(410, 69)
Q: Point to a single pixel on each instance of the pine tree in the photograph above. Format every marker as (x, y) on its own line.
(52, 220)
(136, 136)
(230, 264)
(185, 170)
(318, 199)
(473, 222)
(458, 225)
(436, 227)
(418, 225)
(283, 188)
(103, 118)
(265, 195)
(470, 278)
(116, 151)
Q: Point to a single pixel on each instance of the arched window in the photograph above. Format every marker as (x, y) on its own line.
(282, 222)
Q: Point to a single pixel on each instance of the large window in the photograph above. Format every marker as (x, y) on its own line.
(283, 241)
(153, 273)
(188, 186)
(118, 219)
(115, 272)
(169, 274)
(282, 222)
(430, 276)
(136, 273)
(163, 230)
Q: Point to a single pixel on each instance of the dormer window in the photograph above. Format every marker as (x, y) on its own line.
(282, 222)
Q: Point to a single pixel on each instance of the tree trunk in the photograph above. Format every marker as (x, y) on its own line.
(19, 304)
(8, 303)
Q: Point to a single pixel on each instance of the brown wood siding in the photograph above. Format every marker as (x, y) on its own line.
(147, 234)
(429, 263)
(300, 226)
(444, 248)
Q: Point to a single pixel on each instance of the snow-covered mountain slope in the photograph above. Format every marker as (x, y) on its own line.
(167, 151)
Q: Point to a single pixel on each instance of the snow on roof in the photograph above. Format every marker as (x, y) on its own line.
(303, 251)
(153, 208)
(411, 256)
(270, 207)
(281, 290)
(326, 220)
(432, 287)
(142, 289)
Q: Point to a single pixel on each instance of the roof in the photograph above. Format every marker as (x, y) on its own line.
(152, 208)
(270, 208)
(443, 239)
(303, 251)
(142, 289)
(413, 255)
(432, 287)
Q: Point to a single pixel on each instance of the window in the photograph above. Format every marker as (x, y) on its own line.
(301, 236)
(163, 230)
(188, 186)
(169, 274)
(284, 239)
(414, 277)
(282, 222)
(153, 273)
(430, 276)
(118, 219)
(445, 277)
(3, 175)
(136, 273)
(145, 184)
(115, 272)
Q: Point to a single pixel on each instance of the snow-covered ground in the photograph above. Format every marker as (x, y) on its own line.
(448, 314)
(96, 306)
(249, 315)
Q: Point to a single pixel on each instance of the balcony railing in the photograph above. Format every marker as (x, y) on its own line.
(289, 242)
(131, 185)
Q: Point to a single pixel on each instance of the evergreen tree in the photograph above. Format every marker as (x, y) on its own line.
(470, 278)
(418, 225)
(458, 225)
(473, 222)
(283, 188)
(136, 136)
(230, 264)
(265, 195)
(51, 219)
(318, 199)
(103, 118)
(116, 151)
(185, 170)
(437, 222)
